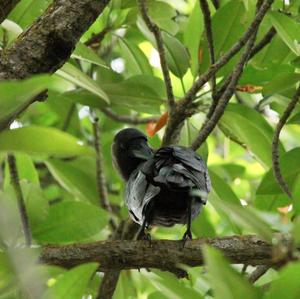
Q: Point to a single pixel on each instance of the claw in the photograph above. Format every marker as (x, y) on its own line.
(187, 235)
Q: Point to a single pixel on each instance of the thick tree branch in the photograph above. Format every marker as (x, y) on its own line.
(14, 176)
(163, 254)
(49, 42)
(184, 107)
(6, 6)
(161, 51)
(129, 119)
(275, 144)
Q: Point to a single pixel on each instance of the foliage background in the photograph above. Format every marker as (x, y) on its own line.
(53, 142)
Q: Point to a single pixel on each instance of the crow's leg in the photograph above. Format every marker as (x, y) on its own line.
(141, 234)
(188, 233)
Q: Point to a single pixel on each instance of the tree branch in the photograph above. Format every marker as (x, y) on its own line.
(161, 51)
(49, 42)
(14, 176)
(209, 36)
(263, 42)
(6, 6)
(101, 181)
(184, 107)
(163, 254)
(258, 272)
(129, 119)
(275, 144)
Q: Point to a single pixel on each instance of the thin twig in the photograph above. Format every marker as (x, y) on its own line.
(263, 42)
(231, 52)
(275, 144)
(258, 272)
(14, 176)
(97, 38)
(101, 181)
(161, 51)
(129, 119)
(209, 36)
(184, 107)
(210, 124)
(216, 3)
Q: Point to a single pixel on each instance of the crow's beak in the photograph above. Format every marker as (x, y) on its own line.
(142, 151)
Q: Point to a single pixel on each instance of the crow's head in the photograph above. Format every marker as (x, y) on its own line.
(129, 149)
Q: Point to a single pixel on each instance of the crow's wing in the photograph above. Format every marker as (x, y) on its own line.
(178, 168)
(138, 194)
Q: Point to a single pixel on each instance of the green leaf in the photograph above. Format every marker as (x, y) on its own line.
(228, 24)
(288, 29)
(283, 83)
(290, 169)
(251, 129)
(136, 61)
(72, 284)
(192, 36)
(295, 119)
(42, 140)
(246, 217)
(74, 179)
(170, 286)
(84, 53)
(27, 11)
(225, 281)
(176, 55)
(287, 284)
(74, 75)
(17, 94)
(70, 221)
(162, 14)
(222, 189)
(296, 231)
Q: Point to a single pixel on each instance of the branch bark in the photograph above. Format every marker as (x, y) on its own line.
(6, 6)
(49, 42)
(163, 254)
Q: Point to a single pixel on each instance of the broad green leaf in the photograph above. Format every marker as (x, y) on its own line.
(72, 284)
(162, 14)
(170, 286)
(288, 29)
(140, 93)
(251, 129)
(287, 284)
(176, 55)
(17, 94)
(283, 83)
(295, 119)
(27, 11)
(76, 76)
(296, 231)
(42, 140)
(84, 53)
(226, 282)
(192, 36)
(202, 225)
(136, 61)
(75, 180)
(246, 217)
(228, 24)
(70, 221)
(290, 169)
(222, 189)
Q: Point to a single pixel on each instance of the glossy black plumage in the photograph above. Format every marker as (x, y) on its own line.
(170, 187)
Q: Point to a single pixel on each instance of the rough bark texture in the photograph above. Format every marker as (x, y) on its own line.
(163, 254)
(49, 42)
(6, 6)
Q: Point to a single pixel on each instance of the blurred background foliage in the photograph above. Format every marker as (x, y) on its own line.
(120, 72)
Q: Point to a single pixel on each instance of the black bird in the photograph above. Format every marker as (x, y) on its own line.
(164, 187)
